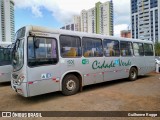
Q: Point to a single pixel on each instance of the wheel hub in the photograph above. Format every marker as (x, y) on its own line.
(133, 74)
(70, 85)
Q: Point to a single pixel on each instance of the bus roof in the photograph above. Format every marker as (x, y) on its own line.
(5, 44)
(75, 33)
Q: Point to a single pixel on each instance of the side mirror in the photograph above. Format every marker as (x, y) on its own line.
(36, 43)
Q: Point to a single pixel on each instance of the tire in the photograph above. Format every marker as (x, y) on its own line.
(133, 73)
(70, 85)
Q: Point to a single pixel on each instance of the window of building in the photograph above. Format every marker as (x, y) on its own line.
(111, 48)
(42, 51)
(92, 47)
(70, 46)
(126, 48)
(138, 49)
(148, 49)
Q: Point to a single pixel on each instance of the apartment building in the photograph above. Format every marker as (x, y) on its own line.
(145, 18)
(98, 19)
(84, 21)
(91, 18)
(77, 23)
(7, 28)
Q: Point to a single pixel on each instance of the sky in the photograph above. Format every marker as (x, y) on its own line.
(57, 13)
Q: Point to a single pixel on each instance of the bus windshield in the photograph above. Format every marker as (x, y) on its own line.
(17, 55)
(42, 51)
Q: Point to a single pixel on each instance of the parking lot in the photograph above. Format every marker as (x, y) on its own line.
(120, 95)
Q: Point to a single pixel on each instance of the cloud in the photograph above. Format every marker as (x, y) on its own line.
(63, 10)
(36, 11)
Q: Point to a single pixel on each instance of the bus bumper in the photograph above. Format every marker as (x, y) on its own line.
(20, 89)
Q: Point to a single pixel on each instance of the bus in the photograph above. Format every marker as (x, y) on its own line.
(5, 61)
(46, 60)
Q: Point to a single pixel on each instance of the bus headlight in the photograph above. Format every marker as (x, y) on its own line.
(21, 78)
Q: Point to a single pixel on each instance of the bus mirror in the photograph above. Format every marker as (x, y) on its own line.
(36, 43)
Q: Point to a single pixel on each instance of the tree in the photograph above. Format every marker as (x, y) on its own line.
(157, 48)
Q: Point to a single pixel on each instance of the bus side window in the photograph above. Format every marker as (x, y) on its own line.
(148, 49)
(70, 46)
(111, 47)
(138, 49)
(92, 47)
(126, 48)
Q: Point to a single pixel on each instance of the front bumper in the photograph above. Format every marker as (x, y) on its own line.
(20, 89)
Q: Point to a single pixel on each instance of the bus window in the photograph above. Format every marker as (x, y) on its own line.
(5, 56)
(138, 49)
(92, 47)
(148, 49)
(126, 48)
(70, 46)
(111, 48)
(42, 51)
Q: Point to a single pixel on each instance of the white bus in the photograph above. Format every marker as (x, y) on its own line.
(47, 60)
(5, 61)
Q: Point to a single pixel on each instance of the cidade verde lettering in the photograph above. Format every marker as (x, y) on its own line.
(98, 65)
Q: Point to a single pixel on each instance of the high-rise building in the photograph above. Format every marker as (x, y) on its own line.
(77, 23)
(104, 18)
(7, 20)
(70, 27)
(98, 19)
(84, 21)
(145, 18)
(91, 15)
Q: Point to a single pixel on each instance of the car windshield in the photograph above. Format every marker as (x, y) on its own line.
(17, 55)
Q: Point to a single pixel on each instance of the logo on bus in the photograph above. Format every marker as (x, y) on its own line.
(98, 65)
(70, 62)
(46, 76)
(85, 61)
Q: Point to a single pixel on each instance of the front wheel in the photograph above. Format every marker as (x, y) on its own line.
(133, 73)
(70, 85)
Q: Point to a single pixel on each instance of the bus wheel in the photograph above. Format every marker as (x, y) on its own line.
(70, 85)
(133, 74)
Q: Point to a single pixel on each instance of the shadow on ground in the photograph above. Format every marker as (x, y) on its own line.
(4, 84)
(57, 95)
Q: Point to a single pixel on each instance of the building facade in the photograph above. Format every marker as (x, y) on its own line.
(77, 23)
(145, 17)
(98, 19)
(126, 33)
(84, 21)
(104, 18)
(91, 18)
(68, 27)
(7, 28)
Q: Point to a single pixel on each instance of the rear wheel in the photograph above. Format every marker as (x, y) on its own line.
(133, 73)
(70, 85)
